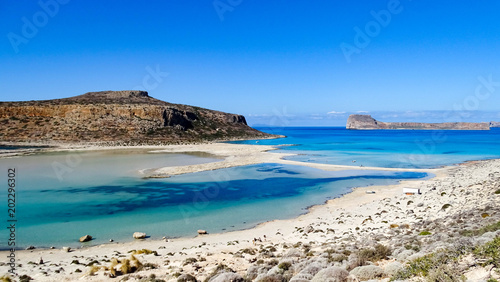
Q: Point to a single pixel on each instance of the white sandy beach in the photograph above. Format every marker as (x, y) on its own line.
(352, 221)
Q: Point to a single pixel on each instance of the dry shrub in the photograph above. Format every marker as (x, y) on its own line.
(380, 252)
(331, 274)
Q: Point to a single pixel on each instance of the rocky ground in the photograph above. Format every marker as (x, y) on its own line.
(448, 233)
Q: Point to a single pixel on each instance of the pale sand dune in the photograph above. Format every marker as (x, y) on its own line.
(340, 215)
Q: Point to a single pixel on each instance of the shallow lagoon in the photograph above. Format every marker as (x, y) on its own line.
(102, 194)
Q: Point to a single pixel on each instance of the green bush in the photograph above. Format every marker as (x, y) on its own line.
(422, 266)
(92, 263)
(190, 261)
(25, 278)
(445, 206)
(249, 251)
(478, 232)
(284, 265)
(490, 251)
(445, 273)
(5, 278)
(425, 233)
(336, 257)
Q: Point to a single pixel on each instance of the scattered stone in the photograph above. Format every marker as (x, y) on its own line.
(202, 232)
(66, 249)
(309, 229)
(139, 235)
(30, 248)
(85, 238)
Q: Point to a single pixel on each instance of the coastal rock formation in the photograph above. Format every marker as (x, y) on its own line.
(368, 122)
(85, 238)
(128, 117)
(139, 235)
(495, 124)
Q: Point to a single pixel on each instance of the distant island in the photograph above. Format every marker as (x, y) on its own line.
(118, 117)
(366, 122)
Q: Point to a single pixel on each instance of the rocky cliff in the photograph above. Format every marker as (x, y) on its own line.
(367, 122)
(495, 124)
(126, 117)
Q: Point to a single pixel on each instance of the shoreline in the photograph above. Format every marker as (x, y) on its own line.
(307, 210)
(273, 231)
(229, 155)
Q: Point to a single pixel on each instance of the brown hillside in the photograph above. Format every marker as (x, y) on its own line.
(121, 117)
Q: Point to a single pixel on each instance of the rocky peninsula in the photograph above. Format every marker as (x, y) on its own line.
(118, 118)
(365, 122)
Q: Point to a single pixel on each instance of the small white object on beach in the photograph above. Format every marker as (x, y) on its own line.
(111, 240)
(66, 249)
(411, 191)
(139, 235)
(202, 232)
(370, 192)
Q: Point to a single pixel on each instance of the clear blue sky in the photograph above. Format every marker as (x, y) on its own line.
(276, 62)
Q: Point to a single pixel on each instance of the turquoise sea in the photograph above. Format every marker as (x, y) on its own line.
(384, 148)
(63, 196)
